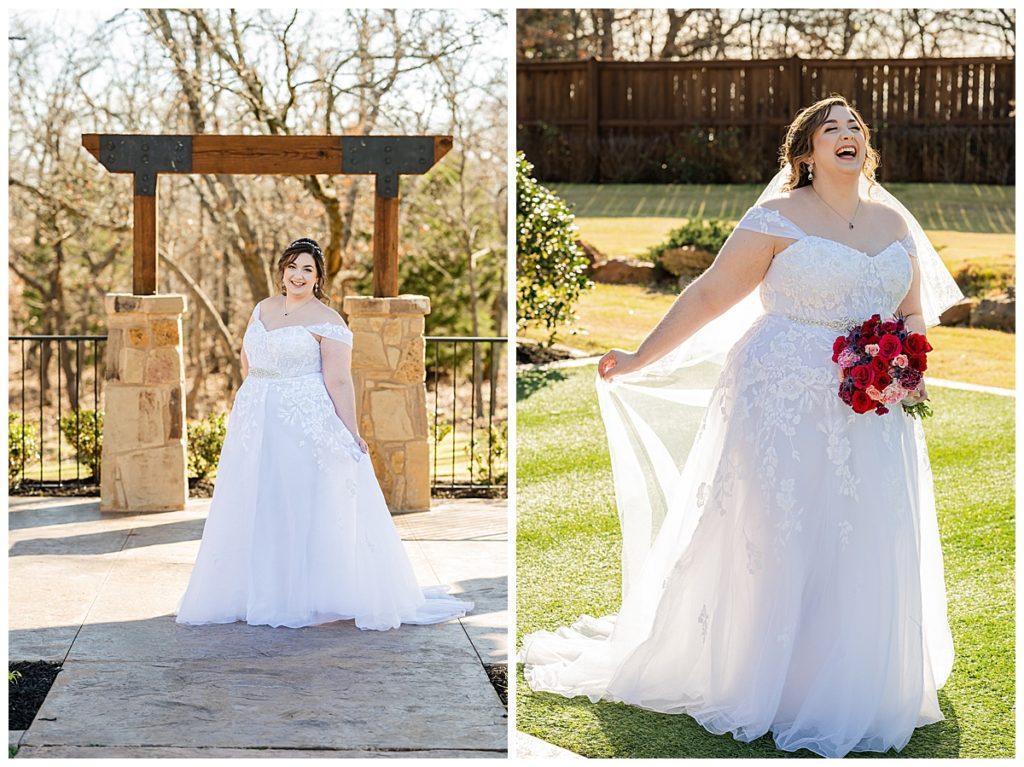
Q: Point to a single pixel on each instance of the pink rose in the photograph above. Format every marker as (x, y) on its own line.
(893, 393)
(871, 349)
(900, 360)
(872, 392)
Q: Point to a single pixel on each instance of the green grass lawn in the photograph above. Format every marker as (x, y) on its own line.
(955, 207)
(621, 315)
(568, 564)
(967, 224)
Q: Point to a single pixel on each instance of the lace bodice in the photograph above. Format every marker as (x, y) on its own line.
(820, 281)
(289, 351)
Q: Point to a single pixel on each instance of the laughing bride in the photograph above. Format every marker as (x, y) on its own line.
(784, 573)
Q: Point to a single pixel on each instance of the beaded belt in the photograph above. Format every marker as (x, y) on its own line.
(840, 326)
(267, 373)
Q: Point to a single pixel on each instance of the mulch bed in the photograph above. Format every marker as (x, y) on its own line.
(70, 488)
(200, 488)
(498, 674)
(28, 693)
(533, 353)
(498, 491)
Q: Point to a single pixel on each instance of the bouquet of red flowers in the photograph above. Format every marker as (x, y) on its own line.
(880, 363)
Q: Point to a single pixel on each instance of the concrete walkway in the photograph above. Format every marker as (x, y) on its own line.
(97, 592)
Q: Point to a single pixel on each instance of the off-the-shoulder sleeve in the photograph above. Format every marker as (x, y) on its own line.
(333, 331)
(768, 221)
(909, 245)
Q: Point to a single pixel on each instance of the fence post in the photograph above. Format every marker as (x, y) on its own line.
(389, 374)
(796, 86)
(144, 440)
(593, 119)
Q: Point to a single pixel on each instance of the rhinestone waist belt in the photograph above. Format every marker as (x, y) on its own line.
(268, 374)
(839, 326)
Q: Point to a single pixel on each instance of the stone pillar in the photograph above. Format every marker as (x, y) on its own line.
(145, 466)
(391, 396)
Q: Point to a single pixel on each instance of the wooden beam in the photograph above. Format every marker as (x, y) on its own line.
(267, 155)
(144, 231)
(385, 246)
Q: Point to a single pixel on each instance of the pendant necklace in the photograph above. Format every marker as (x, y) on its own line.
(286, 312)
(848, 221)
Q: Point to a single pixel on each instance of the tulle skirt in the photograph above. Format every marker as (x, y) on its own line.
(298, 531)
(795, 585)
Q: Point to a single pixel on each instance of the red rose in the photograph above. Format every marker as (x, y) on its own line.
(882, 381)
(837, 347)
(845, 395)
(918, 362)
(870, 339)
(889, 346)
(879, 365)
(917, 344)
(863, 376)
(861, 402)
(890, 327)
(881, 409)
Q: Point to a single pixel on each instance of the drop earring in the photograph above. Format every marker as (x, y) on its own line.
(810, 171)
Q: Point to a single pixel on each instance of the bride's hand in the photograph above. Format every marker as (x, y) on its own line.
(615, 363)
(362, 444)
(918, 396)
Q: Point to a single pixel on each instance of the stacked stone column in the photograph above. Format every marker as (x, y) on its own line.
(145, 465)
(391, 398)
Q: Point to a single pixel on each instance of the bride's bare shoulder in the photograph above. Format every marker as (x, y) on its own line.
(324, 313)
(787, 203)
(885, 219)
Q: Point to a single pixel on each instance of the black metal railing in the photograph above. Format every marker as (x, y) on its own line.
(37, 422)
(467, 382)
(467, 390)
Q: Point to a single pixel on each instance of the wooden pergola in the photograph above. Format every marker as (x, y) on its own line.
(148, 156)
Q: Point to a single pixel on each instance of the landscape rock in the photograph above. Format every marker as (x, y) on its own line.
(959, 313)
(996, 312)
(624, 271)
(593, 255)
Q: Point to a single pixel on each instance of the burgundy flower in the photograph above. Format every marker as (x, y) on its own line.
(910, 379)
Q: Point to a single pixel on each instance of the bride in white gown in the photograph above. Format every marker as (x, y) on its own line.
(298, 531)
(784, 573)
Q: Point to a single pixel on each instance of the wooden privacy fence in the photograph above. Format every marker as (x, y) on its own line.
(940, 120)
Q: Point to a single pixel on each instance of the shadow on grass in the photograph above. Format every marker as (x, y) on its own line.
(529, 382)
(628, 732)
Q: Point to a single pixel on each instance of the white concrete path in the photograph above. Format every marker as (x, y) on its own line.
(97, 592)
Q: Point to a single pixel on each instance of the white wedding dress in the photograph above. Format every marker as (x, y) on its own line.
(298, 532)
(788, 578)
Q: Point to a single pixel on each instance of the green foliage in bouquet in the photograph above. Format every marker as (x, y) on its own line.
(205, 441)
(551, 267)
(22, 446)
(84, 430)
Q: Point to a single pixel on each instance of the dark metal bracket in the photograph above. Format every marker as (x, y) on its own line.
(146, 156)
(387, 157)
